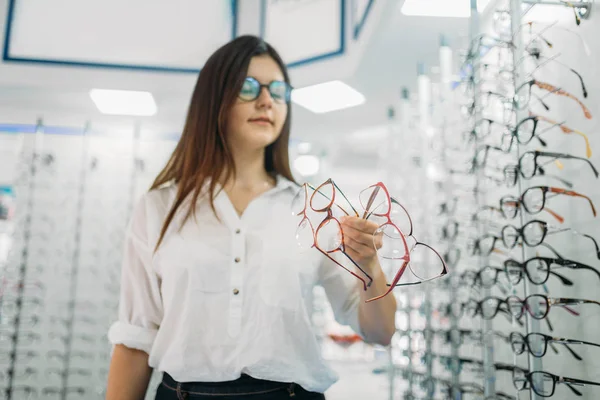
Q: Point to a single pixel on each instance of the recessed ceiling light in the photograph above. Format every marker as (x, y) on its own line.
(124, 102)
(441, 8)
(328, 96)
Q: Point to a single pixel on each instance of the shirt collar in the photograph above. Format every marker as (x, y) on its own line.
(281, 184)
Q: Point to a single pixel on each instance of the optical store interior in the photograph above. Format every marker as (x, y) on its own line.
(472, 124)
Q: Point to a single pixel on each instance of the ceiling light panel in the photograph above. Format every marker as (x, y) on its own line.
(327, 97)
(124, 102)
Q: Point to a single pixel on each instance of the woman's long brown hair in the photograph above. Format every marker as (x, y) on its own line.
(202, 153)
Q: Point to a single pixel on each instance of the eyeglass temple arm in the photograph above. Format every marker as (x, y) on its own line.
(567, 301)
(574, 194)
(588, 148)
(566, 281)
(558, 155)
(573, 265)
(572, 341)
(567, 130)
(561, 92)
(572, 381)
(365, 285)
(558, 178)
(393, 284)
(569, 384)
(345, 198)
(581, 234)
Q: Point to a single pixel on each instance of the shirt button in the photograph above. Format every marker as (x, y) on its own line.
(235, 291)
(238, 231)
(237, 260)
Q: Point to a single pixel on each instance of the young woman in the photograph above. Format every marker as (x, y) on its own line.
(214, 291)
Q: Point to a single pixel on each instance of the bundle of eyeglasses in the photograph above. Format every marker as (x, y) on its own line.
(319, 211)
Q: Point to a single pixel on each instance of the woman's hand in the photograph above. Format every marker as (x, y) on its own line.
(361, 244)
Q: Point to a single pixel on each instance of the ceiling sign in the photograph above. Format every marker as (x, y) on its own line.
(304, 31)
(178, 35)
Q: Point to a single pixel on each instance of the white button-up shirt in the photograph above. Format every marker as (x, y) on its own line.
(219, 299)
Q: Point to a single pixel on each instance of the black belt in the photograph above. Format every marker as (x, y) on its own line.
(244, 385)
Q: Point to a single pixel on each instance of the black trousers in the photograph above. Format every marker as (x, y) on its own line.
(243, 388)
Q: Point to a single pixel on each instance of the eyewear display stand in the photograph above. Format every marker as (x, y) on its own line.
(487, 328)
(33, 160)
(448, 189)
(75, 265)
(532, 325)
(582, 7)
(75, 190)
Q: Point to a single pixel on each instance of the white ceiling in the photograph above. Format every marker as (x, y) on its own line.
(389, 62)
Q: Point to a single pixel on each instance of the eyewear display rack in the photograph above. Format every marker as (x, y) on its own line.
(413, 365)
(74, 192)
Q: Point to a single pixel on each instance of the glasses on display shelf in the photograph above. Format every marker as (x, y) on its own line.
(526, 130)
(471, 388)
(485, 245)
(538, 305)
(62, 356)
(534, 232)
(395, 232)
(448, 207)
(328, 237)
(536, 269)
(24, 373)
(535, 53)
(53, 391)
(529, 166)
(10, 306)
(481, 129)
(71, 372)
(493, 103)
(25, 321)
(25, 286)
(523, 95)
(449, 231)
(544, 383)
(533, 201)
(480, 159)
(21, 392)
(555, 26)
(459, 337)
(537, 344)
(487, 277)
(488, 308)
(503, 70)
(25, 338)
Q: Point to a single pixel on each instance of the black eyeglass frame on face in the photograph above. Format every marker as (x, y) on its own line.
(271, 87)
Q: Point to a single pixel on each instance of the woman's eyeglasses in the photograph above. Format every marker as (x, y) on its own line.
(280, 91)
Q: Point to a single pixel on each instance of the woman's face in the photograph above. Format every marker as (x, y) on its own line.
(255, 124)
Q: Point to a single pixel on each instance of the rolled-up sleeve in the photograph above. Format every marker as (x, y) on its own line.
(342, 292)
(140, 304)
